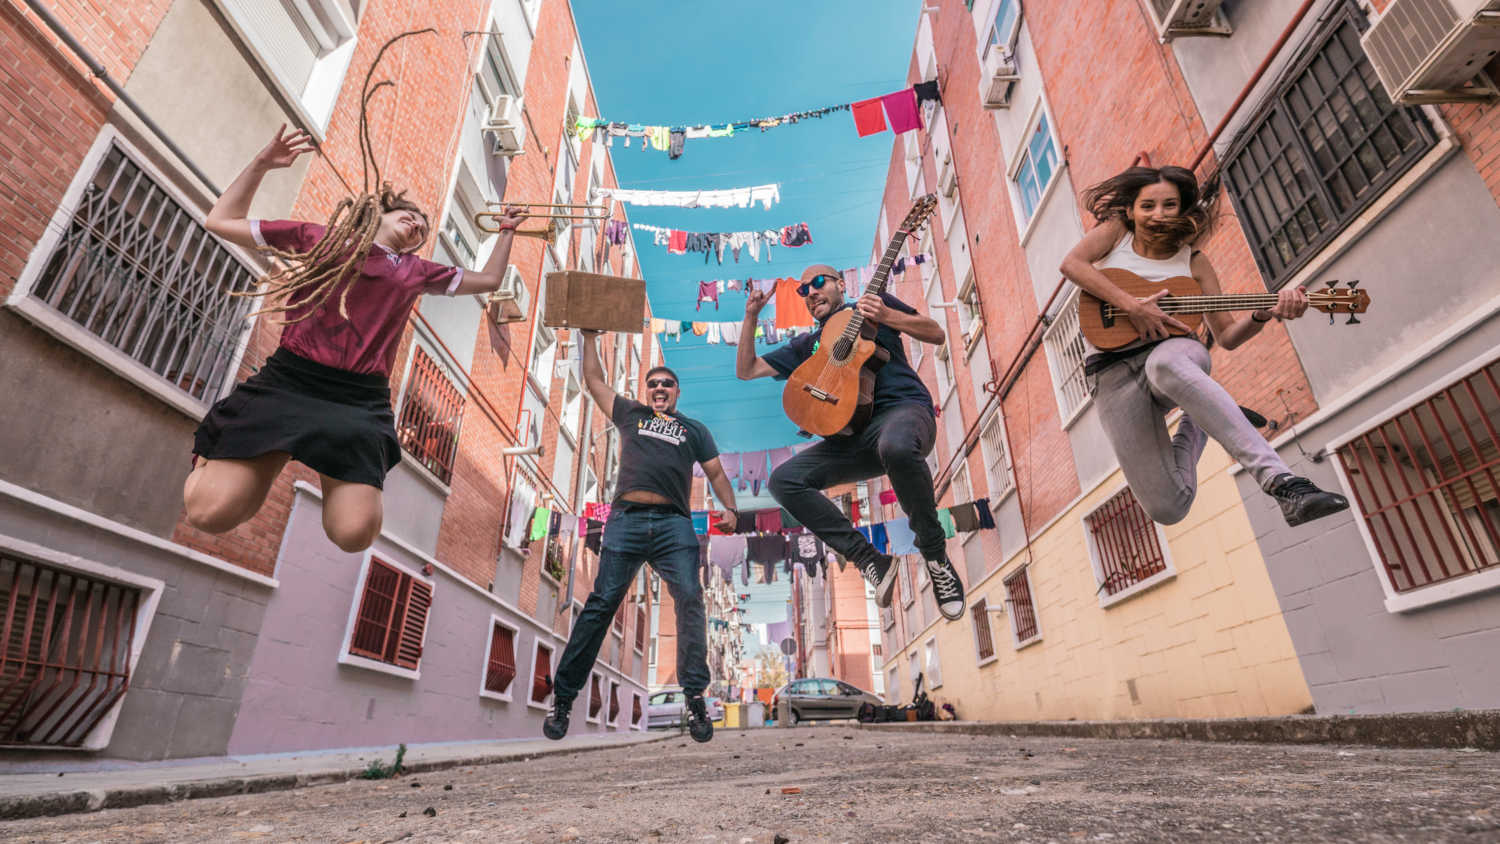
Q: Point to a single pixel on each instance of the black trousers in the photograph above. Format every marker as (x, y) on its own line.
(895, 443)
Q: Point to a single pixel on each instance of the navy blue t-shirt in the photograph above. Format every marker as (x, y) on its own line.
(895, 383)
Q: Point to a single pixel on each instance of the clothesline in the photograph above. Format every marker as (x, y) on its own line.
(679, 242)
(901, 108)
(767, 195)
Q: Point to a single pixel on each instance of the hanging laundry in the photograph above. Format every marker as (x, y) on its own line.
(593, 536)
(726, 553)
(539, 522)
(713, 336)
(767, 573)
(780, 456)
(700, 328)
(791, 308)
(730, 332)
(730, 462)
(946, 520)
(901, 109)
(788, 521)
(876, 535)
(986, 518)
(767, 195)
(755, 470)
(965, 518)
(868, 117)
(796, 235)
(677, 242)
(806, 549)
(768, 521)
(597, 510)
(767, 548)
(700, 522)
(674, 143)
(888, 496)
(903, 539)
(569, 524)
(926, 91)
(554, 525)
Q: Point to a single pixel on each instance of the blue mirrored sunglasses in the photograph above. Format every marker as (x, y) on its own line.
(816, 283)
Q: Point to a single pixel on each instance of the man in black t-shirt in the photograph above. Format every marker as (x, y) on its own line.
(649, 520)
(895, 443)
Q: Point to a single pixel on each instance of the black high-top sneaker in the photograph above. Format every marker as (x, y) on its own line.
(946, 588)
(699, 726)
(1302, 501)
(881, 573)
(556, 725)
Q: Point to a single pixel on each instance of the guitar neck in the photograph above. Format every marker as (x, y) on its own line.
(1213, 304)
(877, 282)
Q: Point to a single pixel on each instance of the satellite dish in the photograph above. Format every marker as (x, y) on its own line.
(789, 646)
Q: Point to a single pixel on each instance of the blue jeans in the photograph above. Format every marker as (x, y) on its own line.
(634, 535)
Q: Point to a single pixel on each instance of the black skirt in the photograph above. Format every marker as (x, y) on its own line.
(336, 422)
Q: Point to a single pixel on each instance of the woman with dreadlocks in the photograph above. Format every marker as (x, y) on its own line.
(345, 292)
(1149, 220)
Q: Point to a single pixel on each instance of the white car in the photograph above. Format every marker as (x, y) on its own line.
(668, 708)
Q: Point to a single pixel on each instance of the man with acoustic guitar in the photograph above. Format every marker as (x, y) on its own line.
(895, 442)
(1148, 221)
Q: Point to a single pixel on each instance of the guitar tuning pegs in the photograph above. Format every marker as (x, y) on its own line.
(1332, 284)
(1353, 319)
(1330, 317)
(1353, 284)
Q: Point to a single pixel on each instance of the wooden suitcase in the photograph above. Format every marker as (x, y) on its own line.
(601, 302)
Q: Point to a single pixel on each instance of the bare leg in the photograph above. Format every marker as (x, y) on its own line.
(352, 513)
(220, 495)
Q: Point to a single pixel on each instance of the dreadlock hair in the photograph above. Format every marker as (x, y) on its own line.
(1113, 197)
(307, 279)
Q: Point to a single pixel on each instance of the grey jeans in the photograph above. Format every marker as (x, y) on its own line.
(1134, 396)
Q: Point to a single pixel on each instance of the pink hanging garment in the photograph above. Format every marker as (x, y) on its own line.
(901, 108)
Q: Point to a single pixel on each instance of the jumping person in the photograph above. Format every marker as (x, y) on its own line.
(323, 398)
(1148, 221)
(649, 520)
(895, 442)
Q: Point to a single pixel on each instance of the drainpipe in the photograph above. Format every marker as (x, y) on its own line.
(98, 71)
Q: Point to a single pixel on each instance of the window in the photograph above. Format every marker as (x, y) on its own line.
(1327, 143)
(640, 626)
(543, 357)
(572, 409)
(960, 484)
(392, 617)
(1065, 351)
(1022, 612)
(619, 620)
(984, 642)
(304, 44)
(494, 78)
(893, 681)
(970, 317)
(1037, 166)
(431, 411)
(908, 587)
(541, 675)
(635, 710)
(596, 698)
(65, 659)
(1003, 31)
(934, 665)
(1125, 545)
(134, 279)
(500, 660)
(875, 649)
(996, 457)
(1425, 484)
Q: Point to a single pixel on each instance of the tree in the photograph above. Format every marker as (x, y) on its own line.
(770, 668)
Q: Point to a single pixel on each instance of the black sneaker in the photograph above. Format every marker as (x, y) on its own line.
(1302, 501)
(699, 726)
(946, 588)
(1254, 418)
(881, 574)
(556, 725)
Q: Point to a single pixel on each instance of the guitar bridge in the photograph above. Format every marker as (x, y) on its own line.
(821, 395)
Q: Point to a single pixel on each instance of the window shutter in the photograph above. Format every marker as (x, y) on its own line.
(541, 683)
(502, 665)
(408, 645)
(377, 610)
(596, 697)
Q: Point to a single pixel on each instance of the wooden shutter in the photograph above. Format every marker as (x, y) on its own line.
(596, 697)
(408, 645)
(502, 665)
(635, 709)
(541, 682)
(377, 612)
(614, 703)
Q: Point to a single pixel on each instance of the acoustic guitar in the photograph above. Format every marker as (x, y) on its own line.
(1107, 327)
(833, 391)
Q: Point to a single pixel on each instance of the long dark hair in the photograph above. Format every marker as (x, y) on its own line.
(1111, 198)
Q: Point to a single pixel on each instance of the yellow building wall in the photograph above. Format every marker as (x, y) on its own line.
(1207, 642)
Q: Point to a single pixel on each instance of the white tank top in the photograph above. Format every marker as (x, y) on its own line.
(1124, 257)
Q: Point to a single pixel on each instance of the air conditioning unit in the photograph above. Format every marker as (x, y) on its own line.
(1432, 51)
(1183, 18)
(512, 301)
(1002, 75)
(947, 177)
(507, 126)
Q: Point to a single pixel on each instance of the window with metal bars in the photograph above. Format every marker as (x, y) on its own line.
(984, 641)
(541, 674)
(1065, 350)
(500, 669)
(1425, 484)
(1124, 541)
(64, 652)
(136, 269)
(996, 457)
(1022, 612)
(392, 619)
(431, 412)
(1327, 143)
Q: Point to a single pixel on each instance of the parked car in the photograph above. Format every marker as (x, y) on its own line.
(821, 699)
(668, 708)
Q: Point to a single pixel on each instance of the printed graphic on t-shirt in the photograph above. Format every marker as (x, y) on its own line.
(663, 428)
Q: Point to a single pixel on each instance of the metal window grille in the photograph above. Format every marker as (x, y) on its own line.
(596, 697)
(996, 457)
(430, 416)
(1327, 143)
(64, 652)
(1126, 543)
(1022, 612)
(1425, 482)
(392, 617)
(635, 710)
(1064, 341)
(138, 271)
(501, 670)
(640, 627)
(541, 675)
(983, 640)
(614, 702)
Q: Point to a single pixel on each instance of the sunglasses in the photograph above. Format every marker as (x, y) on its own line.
(654, 383)
(816, 283)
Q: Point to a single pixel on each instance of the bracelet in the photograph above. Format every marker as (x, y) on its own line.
(1253, 315)
(505, 228)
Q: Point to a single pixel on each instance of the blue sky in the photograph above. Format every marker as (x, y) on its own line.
(717, 62)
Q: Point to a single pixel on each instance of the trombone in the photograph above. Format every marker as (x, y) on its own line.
(552, 212)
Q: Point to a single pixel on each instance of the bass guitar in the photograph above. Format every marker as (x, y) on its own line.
(832, 392)
(1107, 327)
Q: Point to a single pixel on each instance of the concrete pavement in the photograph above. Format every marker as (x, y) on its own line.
(838, 783)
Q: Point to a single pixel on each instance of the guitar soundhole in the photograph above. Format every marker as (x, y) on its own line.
(842, 347)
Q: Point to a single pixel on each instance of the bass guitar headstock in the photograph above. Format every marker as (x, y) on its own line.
(1332, 300)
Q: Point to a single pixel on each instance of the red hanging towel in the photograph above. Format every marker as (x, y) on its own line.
(677, 243)
(869, 119)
